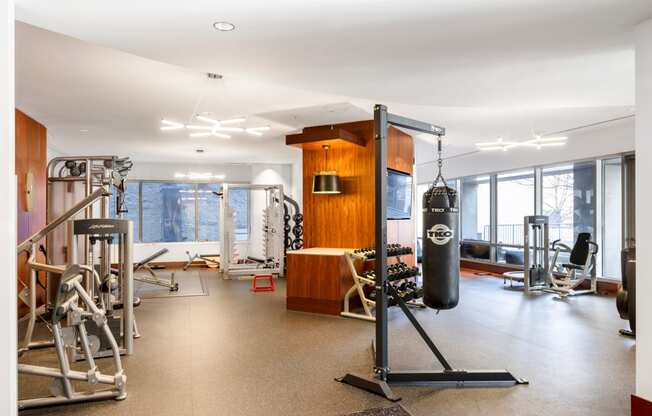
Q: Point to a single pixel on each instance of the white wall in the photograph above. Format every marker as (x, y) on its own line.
(613, 138)
(7, 213)
(643, 203)
(165, 171)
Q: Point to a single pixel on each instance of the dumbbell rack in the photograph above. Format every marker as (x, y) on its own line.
(360, 281)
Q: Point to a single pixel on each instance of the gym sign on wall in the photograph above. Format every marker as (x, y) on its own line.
(440, 234)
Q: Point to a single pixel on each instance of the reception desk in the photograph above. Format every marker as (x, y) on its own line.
(317, 279)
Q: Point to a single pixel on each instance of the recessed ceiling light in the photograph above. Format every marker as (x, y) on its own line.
(83, 130)
(224, 26)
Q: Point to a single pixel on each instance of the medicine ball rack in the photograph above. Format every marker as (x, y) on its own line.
(395, 273)
(383, 375)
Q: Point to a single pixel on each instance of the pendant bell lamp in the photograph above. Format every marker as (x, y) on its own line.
(326, 182)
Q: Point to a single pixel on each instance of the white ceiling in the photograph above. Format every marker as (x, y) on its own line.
(481, 68)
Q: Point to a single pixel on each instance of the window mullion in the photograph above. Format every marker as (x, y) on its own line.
(196, 213)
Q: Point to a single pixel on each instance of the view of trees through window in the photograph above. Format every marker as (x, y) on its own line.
(569, 200)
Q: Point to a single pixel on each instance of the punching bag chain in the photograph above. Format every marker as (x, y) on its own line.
(440, 163)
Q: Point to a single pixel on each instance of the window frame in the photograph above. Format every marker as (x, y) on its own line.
(598, 218)
(139, 233)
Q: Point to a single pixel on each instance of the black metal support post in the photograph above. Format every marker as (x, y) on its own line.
(380, 135)
(382, 373)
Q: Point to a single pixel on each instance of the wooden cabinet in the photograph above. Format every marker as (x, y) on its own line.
(317, 279)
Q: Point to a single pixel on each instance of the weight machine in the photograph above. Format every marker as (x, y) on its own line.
(383, 375)
(114, 291)
(578, 269)
(71, 179)
(542, 274)
(70, 294)
(269, 229)
(76, 185)
(83, 324)
(536, 266)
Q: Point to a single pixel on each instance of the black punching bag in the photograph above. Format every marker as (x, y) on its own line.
(441, 253)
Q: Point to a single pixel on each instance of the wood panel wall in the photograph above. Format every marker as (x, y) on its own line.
(347, 220)
(31, 155)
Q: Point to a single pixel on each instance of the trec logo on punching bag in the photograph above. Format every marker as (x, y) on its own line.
(440, 234)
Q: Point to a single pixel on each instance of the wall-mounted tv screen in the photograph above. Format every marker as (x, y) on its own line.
(399, 195)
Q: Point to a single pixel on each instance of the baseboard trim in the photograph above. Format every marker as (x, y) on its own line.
(640, 406)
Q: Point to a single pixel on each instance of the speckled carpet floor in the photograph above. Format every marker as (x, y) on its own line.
(235, 353)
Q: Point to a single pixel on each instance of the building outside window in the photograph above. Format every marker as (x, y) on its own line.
(239, 201)
(475, 200)
(168, 212)
(476, 208)
(515, 200)
(178, 212)
(208, 211)
(612, 217)
(569, 200)
(568, 194)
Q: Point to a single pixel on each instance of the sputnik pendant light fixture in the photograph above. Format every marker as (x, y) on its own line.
(537, 142)
(213, 127)
(325, 181)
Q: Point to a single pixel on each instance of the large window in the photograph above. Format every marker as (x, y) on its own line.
(515, 196)
(208, 211)
(174, 212)
(515, 200)
(569, 200)
(168, 212)
(239, 201)
(577, 197)
(476, 208)
(612, 217)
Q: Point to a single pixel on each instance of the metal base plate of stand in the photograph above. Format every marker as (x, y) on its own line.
(626, 333)
(372, 385)
(454, 378)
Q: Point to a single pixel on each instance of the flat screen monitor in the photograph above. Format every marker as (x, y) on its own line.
(399, 195)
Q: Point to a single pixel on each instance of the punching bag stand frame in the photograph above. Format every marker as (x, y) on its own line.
(379, 384)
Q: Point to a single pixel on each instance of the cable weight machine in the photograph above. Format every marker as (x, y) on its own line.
(383, 375)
